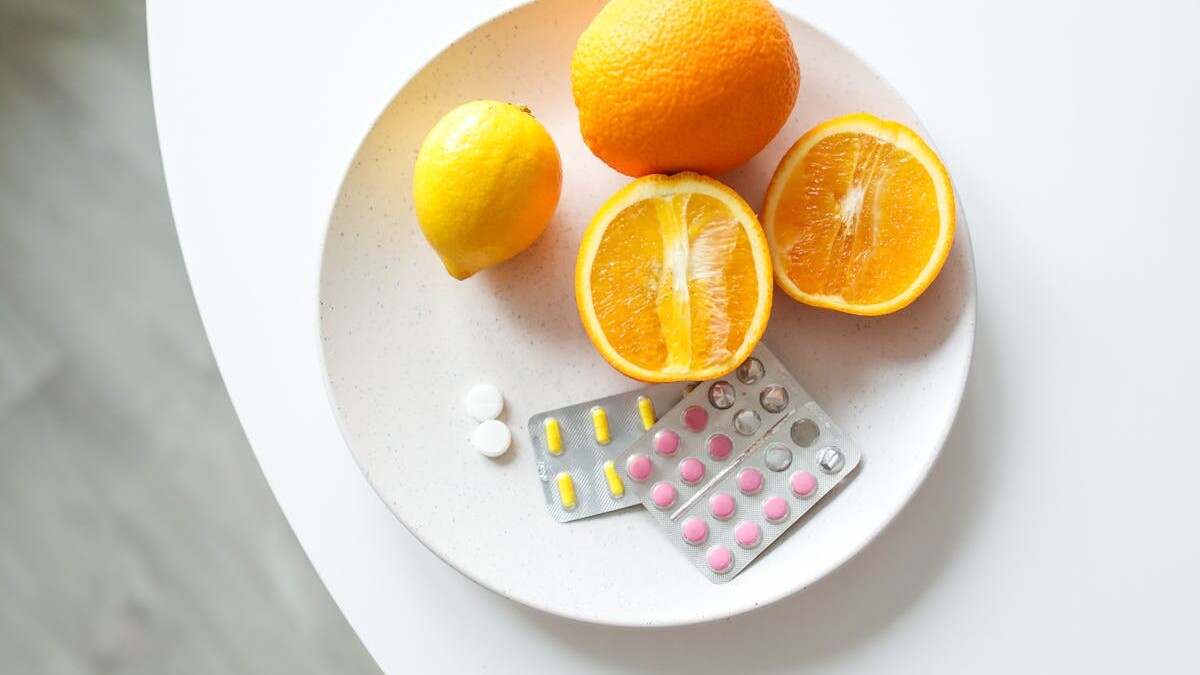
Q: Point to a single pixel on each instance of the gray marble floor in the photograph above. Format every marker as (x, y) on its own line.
(137, 534)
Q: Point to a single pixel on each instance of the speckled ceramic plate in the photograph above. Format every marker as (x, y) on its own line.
(403, 342)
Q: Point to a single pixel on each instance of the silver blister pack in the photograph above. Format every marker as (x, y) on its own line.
(575, 448)
(736, 463)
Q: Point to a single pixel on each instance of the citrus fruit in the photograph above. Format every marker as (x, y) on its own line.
(673, 85)
(859, 216)
(673, 279)
(486, 183)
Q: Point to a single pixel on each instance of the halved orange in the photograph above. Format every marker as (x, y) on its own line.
(859, 216)
(673, 279)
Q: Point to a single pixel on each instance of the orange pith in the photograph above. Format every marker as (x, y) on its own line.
(673, 279)
(859, 216)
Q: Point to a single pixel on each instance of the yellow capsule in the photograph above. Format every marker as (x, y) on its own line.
(615, 486)
(566, 490)
(646, 410)
(600, 422)
(553, 436)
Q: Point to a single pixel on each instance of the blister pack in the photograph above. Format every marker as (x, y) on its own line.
(575, 446)
(736, 463)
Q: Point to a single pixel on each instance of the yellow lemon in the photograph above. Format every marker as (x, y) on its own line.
(486, 183)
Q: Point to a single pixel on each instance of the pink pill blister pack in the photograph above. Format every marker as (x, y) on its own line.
(575, 449)
(736, 463)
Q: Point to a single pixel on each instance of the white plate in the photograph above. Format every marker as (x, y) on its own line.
(403, 342)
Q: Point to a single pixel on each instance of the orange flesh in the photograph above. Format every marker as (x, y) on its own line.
(858, 220)
(674, 283)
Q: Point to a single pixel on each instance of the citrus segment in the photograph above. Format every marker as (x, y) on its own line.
(859, 216)
(673, 279)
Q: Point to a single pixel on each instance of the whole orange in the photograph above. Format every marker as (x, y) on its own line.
(671, 85)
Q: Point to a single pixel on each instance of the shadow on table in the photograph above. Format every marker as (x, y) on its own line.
(850, 605)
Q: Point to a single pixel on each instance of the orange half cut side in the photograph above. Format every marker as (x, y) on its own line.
(673, 279)
(859, 216)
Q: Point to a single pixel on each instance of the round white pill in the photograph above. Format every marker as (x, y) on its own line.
(484, 402)
(492, 438)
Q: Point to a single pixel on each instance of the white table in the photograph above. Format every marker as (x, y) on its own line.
(1058, 531)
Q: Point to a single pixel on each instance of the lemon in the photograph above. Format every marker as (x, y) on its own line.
(486, 184)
